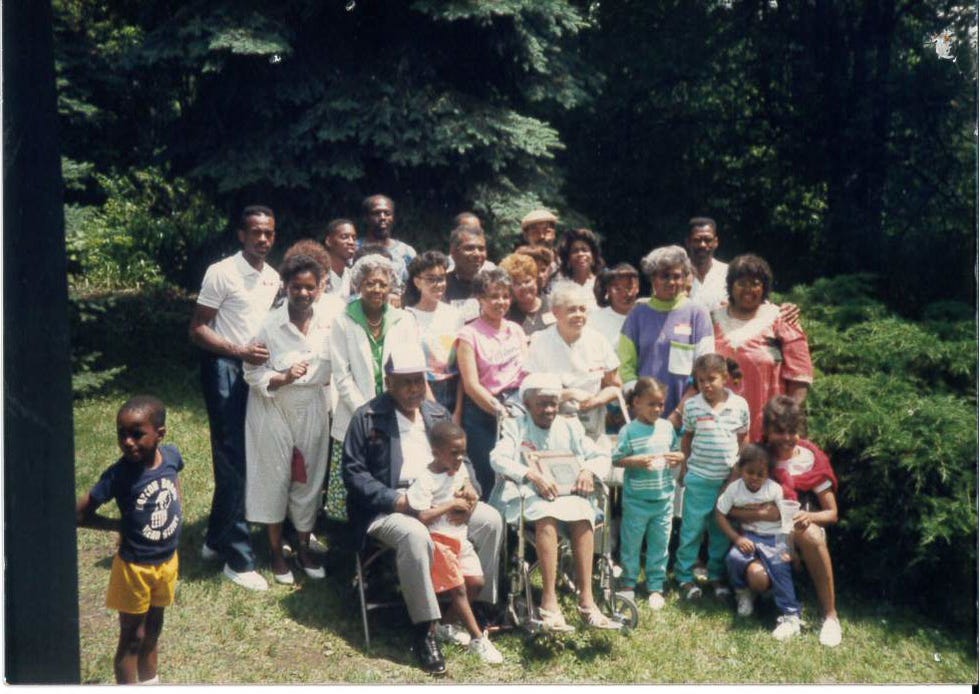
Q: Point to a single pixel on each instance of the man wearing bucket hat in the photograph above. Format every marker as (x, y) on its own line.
(386, 444)
(539, 228)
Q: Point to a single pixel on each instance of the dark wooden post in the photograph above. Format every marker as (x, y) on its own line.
(41, 573)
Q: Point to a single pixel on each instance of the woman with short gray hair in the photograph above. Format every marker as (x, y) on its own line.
(360, 343)
(371, 264)
(582, 358)
(663, 258)
(664, 336)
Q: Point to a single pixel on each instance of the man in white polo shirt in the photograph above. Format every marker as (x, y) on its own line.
(709, 288)
(235, 297)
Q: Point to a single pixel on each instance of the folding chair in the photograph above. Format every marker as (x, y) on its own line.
(364, 560)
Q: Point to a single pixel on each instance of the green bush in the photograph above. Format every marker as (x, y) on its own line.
(142, 236)
(128, 333)
(894, 405)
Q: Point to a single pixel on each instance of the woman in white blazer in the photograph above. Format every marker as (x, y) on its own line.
(360, 342)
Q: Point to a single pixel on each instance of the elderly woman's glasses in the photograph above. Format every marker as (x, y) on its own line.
(749, 283)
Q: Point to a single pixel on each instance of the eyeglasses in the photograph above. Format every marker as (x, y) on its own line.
(749, 283)
(671, 276)
(433, 279)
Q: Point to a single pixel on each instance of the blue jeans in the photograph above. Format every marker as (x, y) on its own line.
(774, 557)
(444, 392)
(225, 396)
(481, 437)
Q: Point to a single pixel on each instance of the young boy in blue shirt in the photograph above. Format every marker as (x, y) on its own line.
(145, 486)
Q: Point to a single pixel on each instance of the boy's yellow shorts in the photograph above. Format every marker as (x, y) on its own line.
(134, 588)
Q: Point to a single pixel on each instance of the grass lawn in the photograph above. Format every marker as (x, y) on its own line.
(311, 632)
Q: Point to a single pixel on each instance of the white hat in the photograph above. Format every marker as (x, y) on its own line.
(539, 215)
(406, 359)
(543, 383)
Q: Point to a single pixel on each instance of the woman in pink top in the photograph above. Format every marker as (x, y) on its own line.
(490, 352)
(773, 354)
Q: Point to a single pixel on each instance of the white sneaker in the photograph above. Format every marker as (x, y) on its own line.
(656, 601)
(285, 579)
(487, 652)
(246, 579)
(745, 600)
(830, 634)
(208, 554)
(787, 626)
(450, 633)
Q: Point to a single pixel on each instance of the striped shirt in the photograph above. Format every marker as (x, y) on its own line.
(714, 448)
(638, 438)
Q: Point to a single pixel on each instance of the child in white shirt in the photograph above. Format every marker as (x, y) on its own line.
(759, 547)
(443, 498)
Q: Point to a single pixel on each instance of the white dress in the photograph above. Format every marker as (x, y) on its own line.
(522, 434)
(294, 416)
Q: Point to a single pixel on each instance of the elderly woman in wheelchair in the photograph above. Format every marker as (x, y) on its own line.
(554, 499)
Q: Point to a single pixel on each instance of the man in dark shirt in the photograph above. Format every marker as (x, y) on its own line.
(386, 440)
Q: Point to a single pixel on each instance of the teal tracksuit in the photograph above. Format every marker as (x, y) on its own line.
(647, 503)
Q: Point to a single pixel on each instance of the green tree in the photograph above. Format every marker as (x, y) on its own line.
(827, 135)
(312, 105)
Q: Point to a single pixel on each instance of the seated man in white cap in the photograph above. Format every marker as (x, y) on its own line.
(541, 430)
(385, 448)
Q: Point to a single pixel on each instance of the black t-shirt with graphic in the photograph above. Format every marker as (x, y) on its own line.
(148, 505)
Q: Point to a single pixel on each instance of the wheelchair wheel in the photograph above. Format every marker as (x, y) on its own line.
(621, 609)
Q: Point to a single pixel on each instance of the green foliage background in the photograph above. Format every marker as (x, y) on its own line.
(826, 135)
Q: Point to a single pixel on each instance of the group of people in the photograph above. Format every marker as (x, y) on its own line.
(408, 395)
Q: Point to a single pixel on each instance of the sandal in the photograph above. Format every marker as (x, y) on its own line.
(553, 620)
(691, 591)
(594, 618)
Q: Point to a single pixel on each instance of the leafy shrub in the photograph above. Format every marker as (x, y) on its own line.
(87, 378)
(894, 405)
(143, 235)
(129, 333)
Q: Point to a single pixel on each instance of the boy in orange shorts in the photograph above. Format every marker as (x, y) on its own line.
(145, 486)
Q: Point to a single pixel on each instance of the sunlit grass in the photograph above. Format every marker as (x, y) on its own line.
(311, 633)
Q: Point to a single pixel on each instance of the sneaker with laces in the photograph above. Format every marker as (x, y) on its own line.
(246, 579)
(787, 626)
(830, 633)
(486, 651)
(450, 633)
(744, 600)
(656, 601)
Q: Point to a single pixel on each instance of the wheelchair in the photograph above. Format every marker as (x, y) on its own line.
(524, 577)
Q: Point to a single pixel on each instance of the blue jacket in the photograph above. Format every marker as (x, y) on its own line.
(372, 460)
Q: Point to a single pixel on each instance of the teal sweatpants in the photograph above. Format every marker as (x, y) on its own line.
(650, 519)
(700, 496)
